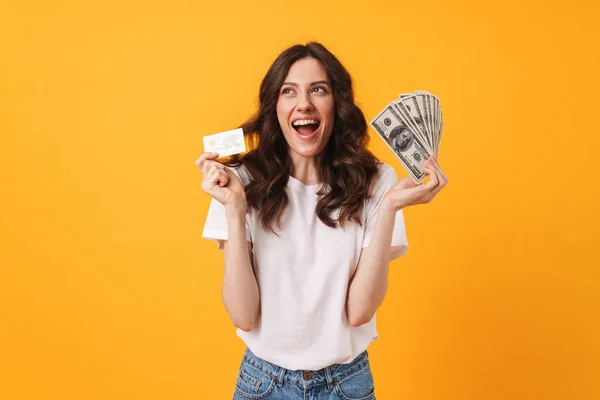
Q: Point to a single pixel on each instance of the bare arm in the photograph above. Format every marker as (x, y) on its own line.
(368, 286)
(241, 295)
(240, 289)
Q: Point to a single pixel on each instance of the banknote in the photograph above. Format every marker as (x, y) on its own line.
(409, 111)
(439, 122)
(431, 111)
(428, 109)
(423, 112)
(225, 143)
(400, 137)
(417, 112)
(412, 128)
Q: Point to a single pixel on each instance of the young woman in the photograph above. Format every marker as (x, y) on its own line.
(308, 221)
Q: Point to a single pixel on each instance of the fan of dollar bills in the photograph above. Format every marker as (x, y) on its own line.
(412, 128)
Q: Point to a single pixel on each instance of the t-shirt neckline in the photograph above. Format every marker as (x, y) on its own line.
(299, 184)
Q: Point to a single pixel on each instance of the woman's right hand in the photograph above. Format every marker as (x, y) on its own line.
(221, 183)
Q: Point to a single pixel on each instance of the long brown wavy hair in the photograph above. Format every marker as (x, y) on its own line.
(346, 167)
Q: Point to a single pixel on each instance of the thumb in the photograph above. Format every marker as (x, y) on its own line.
(405, 183)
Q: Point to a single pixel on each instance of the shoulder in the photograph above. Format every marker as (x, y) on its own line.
(382, 182)
(385, 175)
(385, 169)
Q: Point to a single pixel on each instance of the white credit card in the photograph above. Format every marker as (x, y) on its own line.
(225, 143)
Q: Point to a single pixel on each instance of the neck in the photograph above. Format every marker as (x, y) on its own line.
(305, 169)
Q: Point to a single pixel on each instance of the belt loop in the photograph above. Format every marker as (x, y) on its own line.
(329, 378)
(280, 377)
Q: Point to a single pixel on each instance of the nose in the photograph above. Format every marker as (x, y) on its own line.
(304, 103)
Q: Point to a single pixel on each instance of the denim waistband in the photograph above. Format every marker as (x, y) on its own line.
(306, 378)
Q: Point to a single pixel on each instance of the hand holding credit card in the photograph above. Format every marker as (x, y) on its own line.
(225, 143)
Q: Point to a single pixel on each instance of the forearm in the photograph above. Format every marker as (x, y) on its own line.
(241, 295)
(368, 286)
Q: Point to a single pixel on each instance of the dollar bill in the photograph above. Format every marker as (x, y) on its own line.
(428, 111)
(435, 119)
(417, 105)
(410, 123)
(409, 108)
(401, 138)
(424, 104)
(439, 123)
(433, 116)
(440, 134)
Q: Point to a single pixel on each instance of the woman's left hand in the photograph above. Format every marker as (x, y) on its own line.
(407, 193)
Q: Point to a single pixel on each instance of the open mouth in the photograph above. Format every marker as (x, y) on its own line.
(306, 127)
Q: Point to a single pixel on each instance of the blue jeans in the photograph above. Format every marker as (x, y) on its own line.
(259, 379)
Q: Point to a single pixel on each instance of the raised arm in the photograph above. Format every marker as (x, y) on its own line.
(240, 293)
(368, 286)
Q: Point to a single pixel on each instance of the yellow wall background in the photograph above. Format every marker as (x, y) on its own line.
(107, 290)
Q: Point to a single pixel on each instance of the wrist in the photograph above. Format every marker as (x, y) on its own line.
(237, 211)
(386, 207)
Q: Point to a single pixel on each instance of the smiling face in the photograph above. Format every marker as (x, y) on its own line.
(306, 108)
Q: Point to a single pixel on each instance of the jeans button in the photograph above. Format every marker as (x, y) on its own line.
(307, 376)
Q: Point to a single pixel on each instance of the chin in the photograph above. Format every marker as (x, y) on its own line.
(308, 153)
(308, 149)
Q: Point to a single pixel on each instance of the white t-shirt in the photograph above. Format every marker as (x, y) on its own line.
(303, 276)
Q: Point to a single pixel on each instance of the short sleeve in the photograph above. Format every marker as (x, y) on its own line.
(386, 180)
(215, 227)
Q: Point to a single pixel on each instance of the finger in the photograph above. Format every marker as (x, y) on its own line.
(417, 194)
(427, 169)
(441, 177)
(206, 156)
(215, 163)
(441, 185)
(221, 175)
(434, 192)
(431, 194)
(211, 165)
(223, 178)
(437, 166)
(213, 176)
(433, 178)
(405, 183)
(438, 188)
(209, 182)
(211, 169)
(216, 178)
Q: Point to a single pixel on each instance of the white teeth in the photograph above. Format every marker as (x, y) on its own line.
(304, 122)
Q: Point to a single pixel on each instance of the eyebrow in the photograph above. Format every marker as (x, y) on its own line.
(312, 83)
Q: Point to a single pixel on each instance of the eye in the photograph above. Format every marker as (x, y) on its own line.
(320, 89)
(287, 91)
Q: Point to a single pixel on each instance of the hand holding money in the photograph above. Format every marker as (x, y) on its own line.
(412, 128)
(221, 183)
(408, 193)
